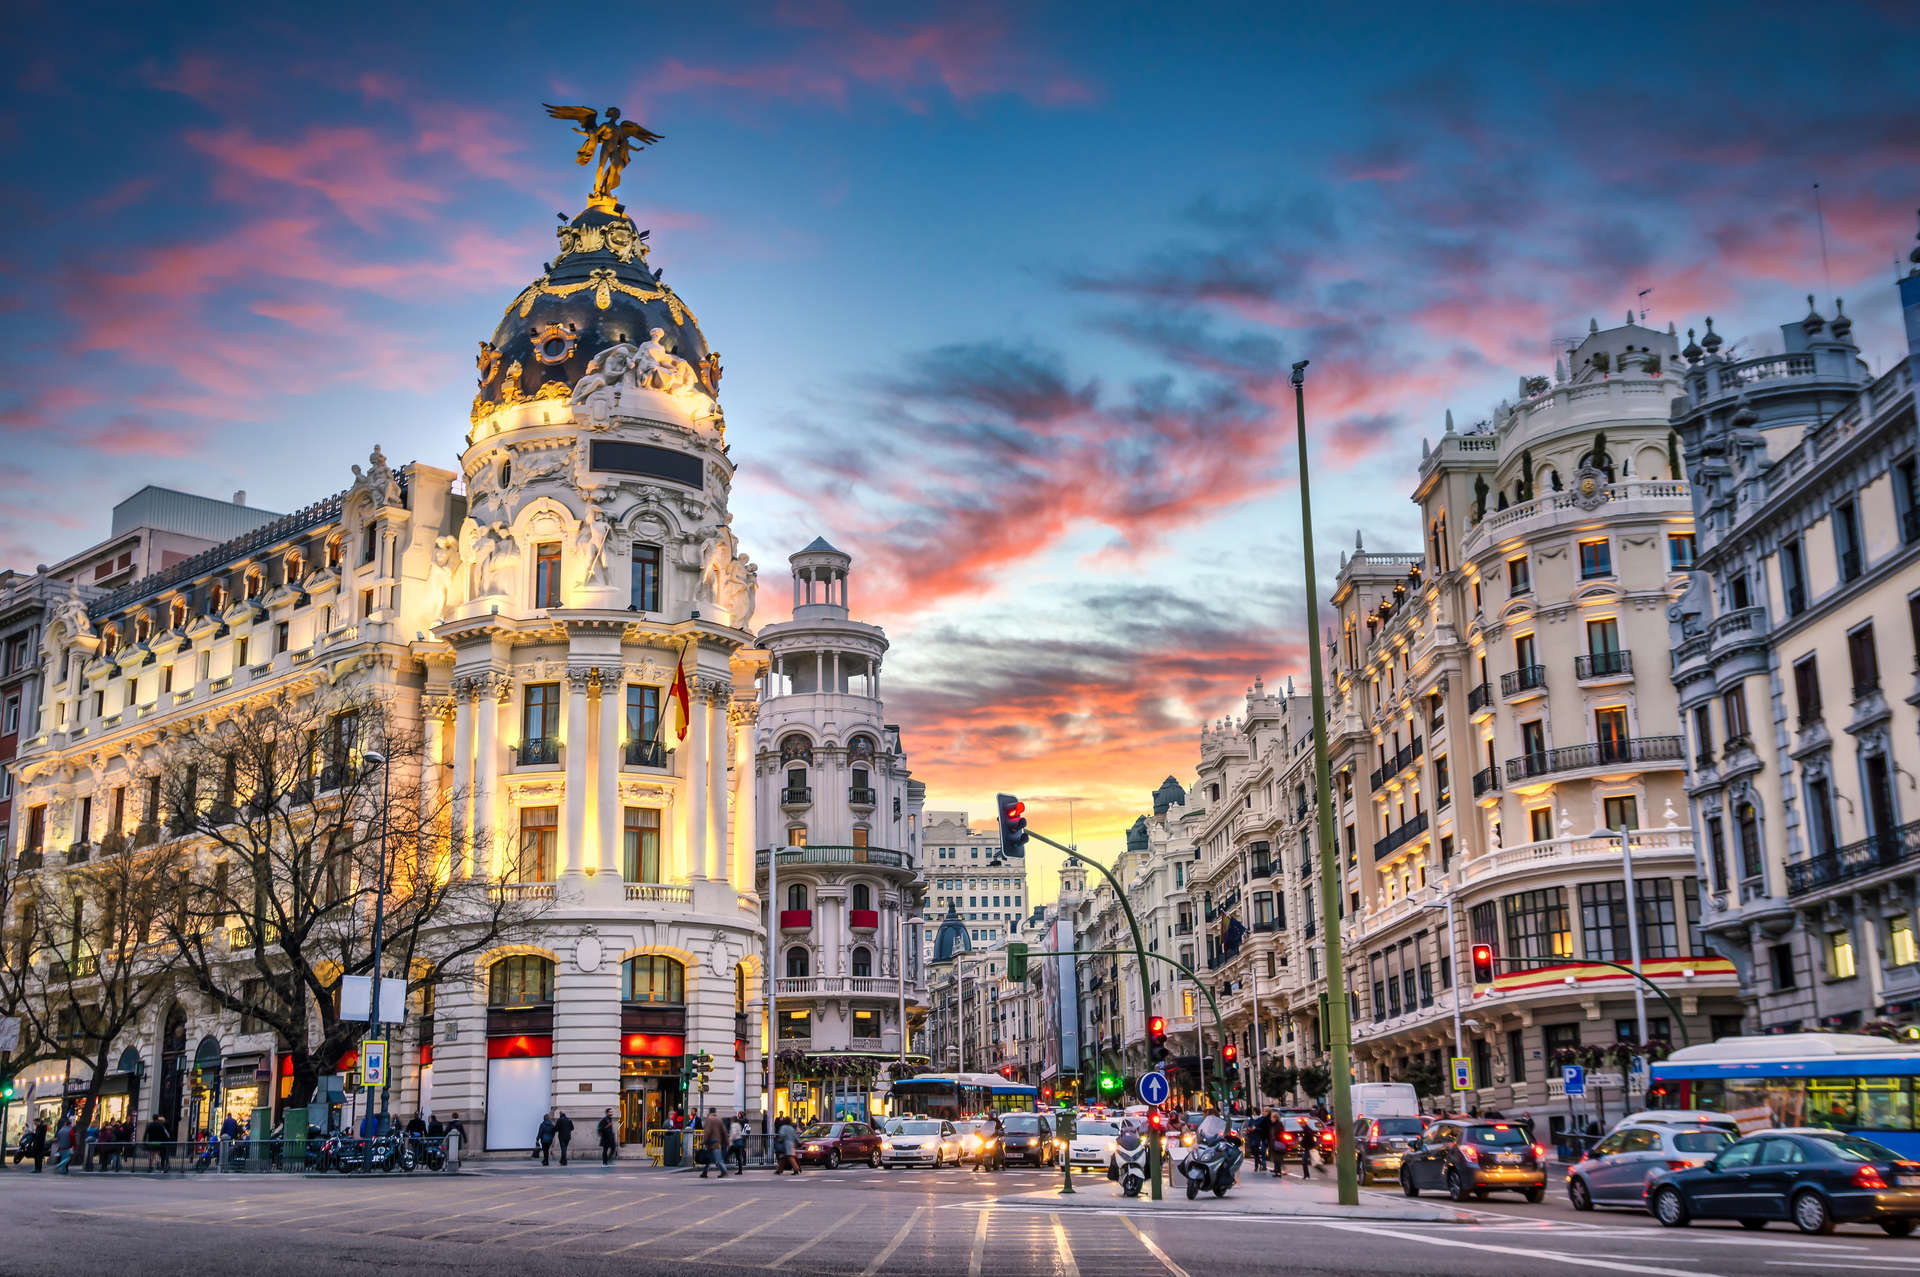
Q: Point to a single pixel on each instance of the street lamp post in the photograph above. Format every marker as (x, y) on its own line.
(369, 761)
(1633, 927)
(1338, 1028)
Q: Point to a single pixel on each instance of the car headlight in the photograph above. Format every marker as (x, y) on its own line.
(971, 1142)
(886, 1144)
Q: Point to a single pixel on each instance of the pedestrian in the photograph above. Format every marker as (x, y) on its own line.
(543, 1140)
(609, 1135)
(563, 1128)
(1259, 1134)
(786, 1147)
(456, 1135)
(737, 1143)
(713, 1134)
(159, 1139)
(1308, 1133)
(37, 1145)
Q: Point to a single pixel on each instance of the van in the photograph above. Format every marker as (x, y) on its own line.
(1384, 1099)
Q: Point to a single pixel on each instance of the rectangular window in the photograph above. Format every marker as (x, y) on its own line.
(1533, 739)
(539, 840)
(1516, 1055)
(1679, 551)
(1610, 731)
(11, 723)
(646, 577)
(1603, 920)
(1622, 811)
(1603, 645)
(1524, 653)
(641, 853)
(1540, 824)
(540, 716)
(1900, 947)
(1659, 925)
(83, 823)
(281, 632)
(1840, 955)
(1806, 688)
(1733, 707)
(1846, 540)
(643, 725)
(1865, 660)
(546, 574)
(1519, 579)
(1820, 814)
(1484, 921)
(1780, 959)
(1906, 499)
(1702, 735)
(1537, 925)
(1560, 1037)
(1793, 577)
(1596, 558)
(1442, 785)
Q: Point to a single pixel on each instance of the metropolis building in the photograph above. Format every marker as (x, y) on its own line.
(530, 612)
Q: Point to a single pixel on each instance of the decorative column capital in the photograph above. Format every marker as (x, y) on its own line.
(609, 678)
(440, 704)
(581, 678)
(743, 713)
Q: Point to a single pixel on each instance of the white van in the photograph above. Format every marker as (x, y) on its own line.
(1384, 1099)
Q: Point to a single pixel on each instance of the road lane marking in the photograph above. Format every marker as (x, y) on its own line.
(979, 1242)
(740, 1237)
(461, 1228)
(1855, 1264)
(1161, 1255)
(893, 1245)
(573, 1219)
(698, 1223)
(1066, 1266)
(811, 1242)
(1435, 1239)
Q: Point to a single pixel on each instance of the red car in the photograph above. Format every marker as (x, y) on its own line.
(831, 1143)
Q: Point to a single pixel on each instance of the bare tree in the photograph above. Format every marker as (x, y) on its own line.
(91, 961)
(294, 831)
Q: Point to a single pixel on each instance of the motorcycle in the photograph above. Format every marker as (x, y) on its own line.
(1213, 1160)
(1130, 1157)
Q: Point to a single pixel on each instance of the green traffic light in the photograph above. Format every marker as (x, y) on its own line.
(1109, 1082)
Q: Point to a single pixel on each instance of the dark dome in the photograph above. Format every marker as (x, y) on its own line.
(952, 939)
(598, 292)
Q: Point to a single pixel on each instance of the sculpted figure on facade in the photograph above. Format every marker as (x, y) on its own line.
(649, 366)
(442, 579)
(378, 479)
(728, 579)
(591, 542)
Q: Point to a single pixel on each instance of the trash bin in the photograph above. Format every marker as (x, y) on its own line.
(670, 1148)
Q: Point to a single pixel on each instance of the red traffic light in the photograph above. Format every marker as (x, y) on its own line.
(1156, 1119)
(1157, 1027)
(1016, 811)
(1483, 964)
(1230, 1053)
(1006, 1071)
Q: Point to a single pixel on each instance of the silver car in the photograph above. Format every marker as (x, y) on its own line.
(1615, 1173)
(921, 1141)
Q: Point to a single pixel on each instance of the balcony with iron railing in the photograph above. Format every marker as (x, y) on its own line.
(1409, 830)
(1606, 753)
(1486, 780)
(644, 753)
(824, 854)
(1593, 665)
(1889, 849)
(861, 796)
(796, 796)
(537, 751)
(1479, 697)
(1528, 678)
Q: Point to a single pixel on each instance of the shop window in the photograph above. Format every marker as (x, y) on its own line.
(653, 978)
(520, 980)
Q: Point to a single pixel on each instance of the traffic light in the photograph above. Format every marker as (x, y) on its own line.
(1016, 960)
(1157, 1120)
(1231, 1054)
(1013, 825)
(6, 1088)
(1109, 1082)
(1482, 964)
(703, 1070)
(1157, 1036)
(1006, 1071)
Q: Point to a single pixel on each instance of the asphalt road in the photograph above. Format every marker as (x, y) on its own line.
(586, 1220)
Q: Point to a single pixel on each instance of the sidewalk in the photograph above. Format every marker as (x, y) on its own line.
(1262, 1194)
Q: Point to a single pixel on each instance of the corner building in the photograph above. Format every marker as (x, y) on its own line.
(528, 612)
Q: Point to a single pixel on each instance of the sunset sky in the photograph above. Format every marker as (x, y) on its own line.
(1006, 294)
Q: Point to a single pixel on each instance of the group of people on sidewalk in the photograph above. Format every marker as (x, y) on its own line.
(724, 1140)
(110, 1146)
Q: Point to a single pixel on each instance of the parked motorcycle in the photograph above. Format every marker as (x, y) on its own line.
(1130, 1158)
(1212, 1162)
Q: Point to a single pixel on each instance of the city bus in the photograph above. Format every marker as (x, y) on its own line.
(1867, 1086)
(958, 1096)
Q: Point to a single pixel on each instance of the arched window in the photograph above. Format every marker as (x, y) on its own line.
(797, 963)
(333, 553)
(862, 896)
(110, 641)
(255, 582)
(797, 896)
(524, 979)
(653, 978)
(862, 961)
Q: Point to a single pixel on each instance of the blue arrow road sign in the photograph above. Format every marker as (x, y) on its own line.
(1575, 1079)
(1153, 1087)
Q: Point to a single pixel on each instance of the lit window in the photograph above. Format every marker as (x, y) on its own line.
(1900, 941)
(1840, 955)
(1596, 558)
(546, 575)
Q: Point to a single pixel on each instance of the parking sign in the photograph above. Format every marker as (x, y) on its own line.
(1574, 1078)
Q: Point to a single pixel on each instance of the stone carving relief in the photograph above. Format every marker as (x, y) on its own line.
(591, 543)
(728, 579)
(626, 373)
(442, 577)
(495, 560)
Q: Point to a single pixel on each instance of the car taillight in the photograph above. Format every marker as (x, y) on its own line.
(1373, 1141)
(1869, 1177)
(1539, 1152)
(1326, 1137)
(1286, 1137)
(1678, 1166)
(1469, 1152)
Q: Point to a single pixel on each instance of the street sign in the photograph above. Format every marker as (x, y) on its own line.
(1153, 1087)
(373, 1063)
(1574, 1078)
(1462, 1073)
(796, 1091)
(1637, 1074)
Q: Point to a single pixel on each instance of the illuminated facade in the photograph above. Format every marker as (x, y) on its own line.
(964, 870)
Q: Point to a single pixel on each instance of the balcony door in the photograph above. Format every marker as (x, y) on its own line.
(1610, 730)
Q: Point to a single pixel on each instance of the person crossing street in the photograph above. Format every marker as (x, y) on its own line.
(609, 1135)
(714, 1137)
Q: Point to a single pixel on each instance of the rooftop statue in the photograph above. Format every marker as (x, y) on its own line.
(615, 140)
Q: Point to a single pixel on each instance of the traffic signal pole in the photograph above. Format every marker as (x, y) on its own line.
(1339, 1030)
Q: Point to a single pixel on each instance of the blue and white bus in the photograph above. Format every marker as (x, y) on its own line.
(1849, 1082)
(958, 1096)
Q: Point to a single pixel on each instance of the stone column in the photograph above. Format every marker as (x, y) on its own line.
(719, 749)
(489, 691)
(574, 845)
(609, 825)
(695, 773)
(746, 795)
(460, 821)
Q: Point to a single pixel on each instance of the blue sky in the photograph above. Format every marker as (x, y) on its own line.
(1006, 294)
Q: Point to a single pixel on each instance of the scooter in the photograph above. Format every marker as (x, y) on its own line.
(1130, 1157)
(1213, 1160)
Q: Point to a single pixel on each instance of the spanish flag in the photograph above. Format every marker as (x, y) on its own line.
(681, 699)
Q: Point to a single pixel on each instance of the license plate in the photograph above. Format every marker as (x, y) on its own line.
(1907, 1181)
(1509, 1159)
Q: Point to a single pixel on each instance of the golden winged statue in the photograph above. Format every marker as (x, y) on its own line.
(615, 139)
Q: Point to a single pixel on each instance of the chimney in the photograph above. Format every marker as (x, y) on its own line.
(240, 497)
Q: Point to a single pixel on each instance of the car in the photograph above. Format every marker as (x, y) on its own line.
(833, 1143)
(979, 1143)
(1679, 1117)
(1616, 1172)
(1815, 1177)
(1027, 1138)
(1474, 1158)
(1290, 1129)
(1092, 1142)
(919, 1141)
(1381, 1142)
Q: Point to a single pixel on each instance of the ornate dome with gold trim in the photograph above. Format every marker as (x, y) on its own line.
(598, 292)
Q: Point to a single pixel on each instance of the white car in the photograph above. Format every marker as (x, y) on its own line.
(919, 1141)
(1092, 1143)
